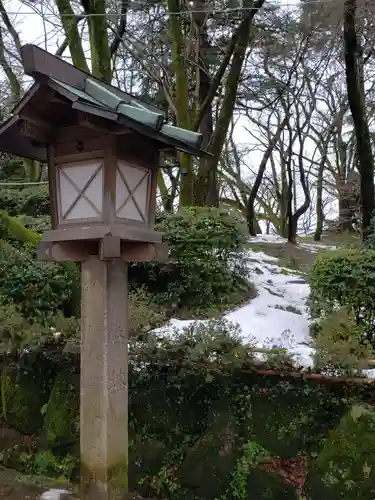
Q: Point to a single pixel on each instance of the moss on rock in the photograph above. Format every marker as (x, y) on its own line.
(62, 411)
(206, 469)
(345, 467)
(263, 485)
(22, 398)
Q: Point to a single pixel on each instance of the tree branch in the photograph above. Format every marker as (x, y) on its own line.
(120, 31)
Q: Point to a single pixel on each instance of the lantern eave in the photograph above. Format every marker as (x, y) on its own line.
(96, 232)
(13, 141)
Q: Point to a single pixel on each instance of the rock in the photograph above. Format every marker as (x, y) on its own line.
(207, 466)
(62, 411)
(9, 438)
(55, 495)
(23, 396)
(5, 491)
(345, 465)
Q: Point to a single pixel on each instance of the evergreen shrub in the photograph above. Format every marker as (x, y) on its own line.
(346, 279)
(206, 265)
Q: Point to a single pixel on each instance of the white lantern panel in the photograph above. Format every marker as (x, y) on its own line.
(80, 191)
(130, 211)
(132, 187)
(82, 210)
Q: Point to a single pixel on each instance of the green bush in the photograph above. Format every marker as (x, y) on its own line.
(40, 290)
(37, 224)
(202, 422)
(340, 342)
(346, 278)
(9, 200)
(34, 201)
(31, 201)
(345, 467)
(205, 265)
(370, 241)
(18, 333)
(142, 316)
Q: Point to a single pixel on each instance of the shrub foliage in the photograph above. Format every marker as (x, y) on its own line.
(204, 267)
(204, 425)
(40, 290)
(346, 279)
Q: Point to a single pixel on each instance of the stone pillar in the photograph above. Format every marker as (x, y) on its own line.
(104, 380)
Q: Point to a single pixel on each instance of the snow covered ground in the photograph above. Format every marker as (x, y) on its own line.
(277, 317)
(275, 239)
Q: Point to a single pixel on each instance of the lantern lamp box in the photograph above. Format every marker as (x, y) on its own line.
(102, 146)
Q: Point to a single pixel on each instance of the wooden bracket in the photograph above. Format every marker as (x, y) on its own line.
(39, 133)
(110, 248)
(144, 252)
(76, 251)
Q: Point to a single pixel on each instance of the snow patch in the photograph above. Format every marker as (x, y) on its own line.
(275, 239)
(54, 494)
(277, 317)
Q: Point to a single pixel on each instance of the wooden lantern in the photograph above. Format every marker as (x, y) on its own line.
(102, 146)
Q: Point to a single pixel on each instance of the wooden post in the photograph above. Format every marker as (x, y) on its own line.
(104, 380)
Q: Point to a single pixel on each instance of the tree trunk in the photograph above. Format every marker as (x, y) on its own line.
(345, 214)
(355, 89)
(206, 126)
(292, 227)
(298, 212)
(292, 235)
(206, 178)
(98, 36)
(319, 198)
(284, 201)
(259, 177)
(346, 199)
(181, 98)
(69, 22)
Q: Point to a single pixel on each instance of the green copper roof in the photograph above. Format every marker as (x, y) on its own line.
(97, 96)
(85, 93)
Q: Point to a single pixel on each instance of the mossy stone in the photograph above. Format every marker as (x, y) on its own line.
(145, 457)
(345, 467)
(22, 398)
(62, 411)
(206, 470)
(289, 418)
(263, 485)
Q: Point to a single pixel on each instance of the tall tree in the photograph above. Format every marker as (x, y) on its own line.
(356, 97)
(201, 188)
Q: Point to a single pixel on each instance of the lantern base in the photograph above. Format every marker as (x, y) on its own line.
(96, 232)
(80, 243)
(105, 249)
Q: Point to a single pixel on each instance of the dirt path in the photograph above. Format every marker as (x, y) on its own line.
(14, 486)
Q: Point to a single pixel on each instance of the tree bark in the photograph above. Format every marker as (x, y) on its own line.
(208, 168)
(181, 98)
(98, 36)
(298, 212)
(69, 22)
(319, 196)
(259, 177)
(205, 89)
(355, 89)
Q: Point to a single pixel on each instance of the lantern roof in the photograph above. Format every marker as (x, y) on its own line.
(81, 92)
